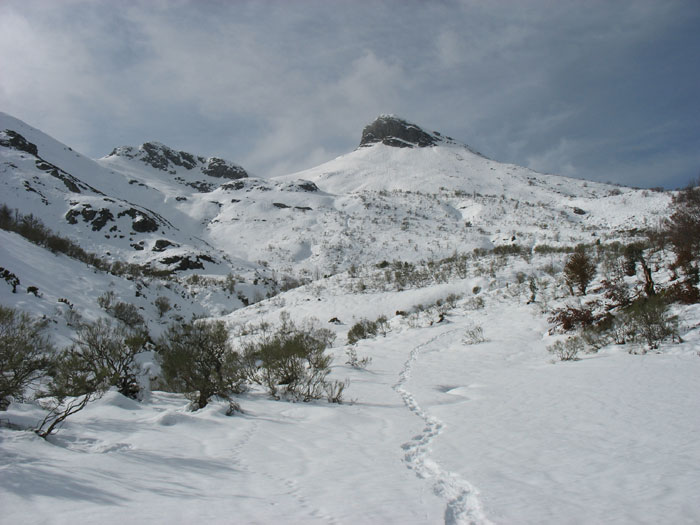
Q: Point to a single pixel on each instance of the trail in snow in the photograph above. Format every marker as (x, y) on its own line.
(463, 505)
(289, 486)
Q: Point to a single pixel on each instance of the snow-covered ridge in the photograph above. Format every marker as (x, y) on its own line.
(375, 203)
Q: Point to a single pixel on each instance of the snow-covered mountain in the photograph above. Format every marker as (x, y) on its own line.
(403, 193)
(460, 416)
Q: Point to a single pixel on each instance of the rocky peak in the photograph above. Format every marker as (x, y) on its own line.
(159, 156)
(162, 157)
(394, 131)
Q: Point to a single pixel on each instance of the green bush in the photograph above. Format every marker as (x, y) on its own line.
(364, 329)
(24, 354)
(197, 359)
(111, 350)
(510, 249)
(650, 321)
(75, 381)
(292, 363)
(125, 312)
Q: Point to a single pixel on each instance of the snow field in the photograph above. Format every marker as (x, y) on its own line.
(439, 432)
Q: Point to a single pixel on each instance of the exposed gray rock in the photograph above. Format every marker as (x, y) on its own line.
(247, 185)
(160, 156)
(220, 168)
(301, 185)
(97, 218)
(179, 263)
(12, 139)
(396, 132)
(162, 244)
(167, 159)
(141, 223)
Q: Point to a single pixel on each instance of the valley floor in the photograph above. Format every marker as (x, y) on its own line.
(440, 431)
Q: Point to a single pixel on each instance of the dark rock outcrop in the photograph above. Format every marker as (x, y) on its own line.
(162, 244)
(97, 218)
(396, 132)
(158, 156)
(301, 185)
(142, 223)
(178, 263)
(222, 169)
(163, 158)
(12, 139)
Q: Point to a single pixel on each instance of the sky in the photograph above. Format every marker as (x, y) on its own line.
(600, 90)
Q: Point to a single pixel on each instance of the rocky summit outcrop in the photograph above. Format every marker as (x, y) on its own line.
(163, 158)
(223, 169)
(396, 132)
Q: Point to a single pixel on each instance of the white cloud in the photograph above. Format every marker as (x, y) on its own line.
(558, 159)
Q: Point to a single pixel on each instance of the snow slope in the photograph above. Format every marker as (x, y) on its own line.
(439, 432)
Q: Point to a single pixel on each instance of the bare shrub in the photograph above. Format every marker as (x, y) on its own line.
(682, 229)
(163, 305)
(125, 312)
(354, 361)
(475, 303)
(474, 336)
(567, 350)
(75, 381)
(363, 329)
(128, 314)
(291, 363)
(111, 350)
(571, 317)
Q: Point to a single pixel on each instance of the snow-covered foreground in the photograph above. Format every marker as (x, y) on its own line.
(439, 432)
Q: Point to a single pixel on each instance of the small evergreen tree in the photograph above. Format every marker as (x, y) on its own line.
(579, 270)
